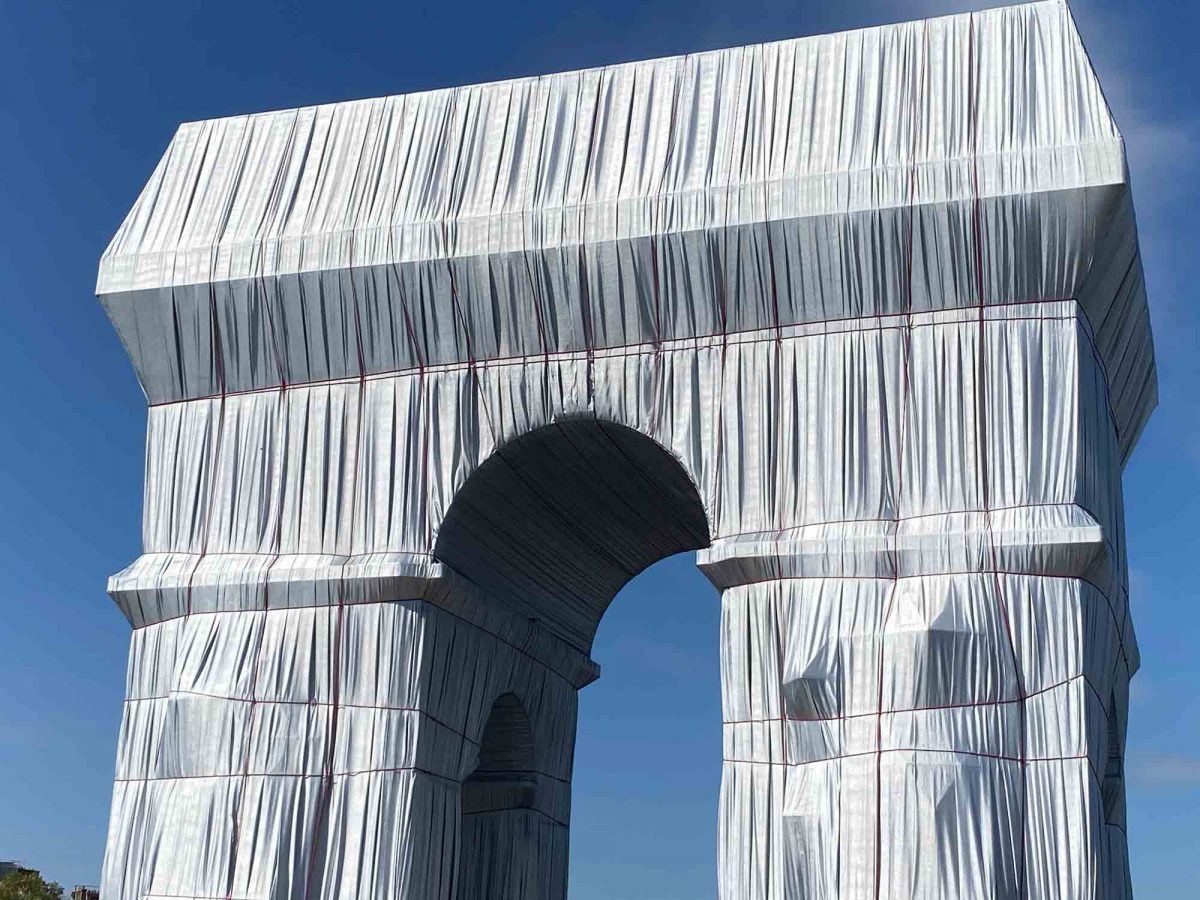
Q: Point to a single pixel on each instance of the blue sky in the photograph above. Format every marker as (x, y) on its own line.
(90, 95)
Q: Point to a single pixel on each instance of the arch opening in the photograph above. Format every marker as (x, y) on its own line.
(504, 777)
(558, 520)
(501, 828)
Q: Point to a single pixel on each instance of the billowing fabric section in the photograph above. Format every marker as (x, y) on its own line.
(860, 318)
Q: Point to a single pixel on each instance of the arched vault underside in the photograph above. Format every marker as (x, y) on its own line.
(557, 521)
(859, 317)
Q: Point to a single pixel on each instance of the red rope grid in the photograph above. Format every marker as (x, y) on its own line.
(906, 327)
(415, 710)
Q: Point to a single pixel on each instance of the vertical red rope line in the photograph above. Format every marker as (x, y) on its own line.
(350, 477)
(277, 537)
(918, 95)
(456, 304)
(206, 521)
(321, 820)
(473, 374)
(718, 284)
(255, 657)
(417, 407)
(585, 291)
(417, 351)
(975, 82)
(768, 146)
(214, 351)
(535, 168)
(657, 247)
(473, 363)
(778, 604)
(787, 131)
(522, 192)
(767, 162)
(719, 266)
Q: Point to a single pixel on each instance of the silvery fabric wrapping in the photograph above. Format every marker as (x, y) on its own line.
(860, 317)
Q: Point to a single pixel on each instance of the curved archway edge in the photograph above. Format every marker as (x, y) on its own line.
(556, 521)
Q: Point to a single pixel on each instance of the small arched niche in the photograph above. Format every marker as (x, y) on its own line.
(503, 835)
(555, 522)
(505, 776)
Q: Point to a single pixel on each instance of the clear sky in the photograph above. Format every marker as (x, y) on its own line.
(90, 93)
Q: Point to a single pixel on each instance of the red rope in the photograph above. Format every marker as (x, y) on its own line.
(906, 350)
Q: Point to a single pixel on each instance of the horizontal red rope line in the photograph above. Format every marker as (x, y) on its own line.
(1021, 698)
(651, 347)
(313, 775)
(770, 534)
(768, 580)
(991, 756)
(278, 610)
(310, 704)
(999, 757)
(1119, 628)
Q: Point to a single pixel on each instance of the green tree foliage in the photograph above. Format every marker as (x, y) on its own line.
(28, 886)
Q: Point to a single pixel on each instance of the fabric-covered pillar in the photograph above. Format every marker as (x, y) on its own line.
(512, 846)
(930, 703)
(874, 725)
(297, 730)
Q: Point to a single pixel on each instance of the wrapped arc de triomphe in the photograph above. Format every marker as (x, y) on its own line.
(860, 318)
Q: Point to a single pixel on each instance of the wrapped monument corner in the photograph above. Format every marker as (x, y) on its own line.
(859, 317)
